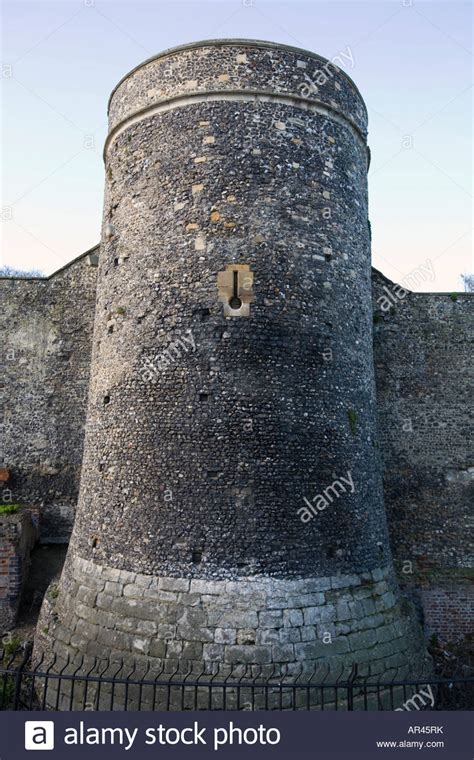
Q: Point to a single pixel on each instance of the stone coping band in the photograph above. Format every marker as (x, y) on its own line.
(230, 42)
(249, 96)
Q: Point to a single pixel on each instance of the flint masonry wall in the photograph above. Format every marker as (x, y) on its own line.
(188, 543)
(425, 385)
(424, 559)
(46, 327)
(421, 347)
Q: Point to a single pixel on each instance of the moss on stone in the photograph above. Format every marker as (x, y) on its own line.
(352, 415)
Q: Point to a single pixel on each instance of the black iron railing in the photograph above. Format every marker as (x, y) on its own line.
(94, 684)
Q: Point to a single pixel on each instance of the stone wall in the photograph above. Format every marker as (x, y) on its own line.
(230, 159)
(18, 533)
(181, 623)
(46, 327)
(208, 433)
(425, 387)
(198, 466)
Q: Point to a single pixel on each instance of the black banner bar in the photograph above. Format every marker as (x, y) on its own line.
(228, 735)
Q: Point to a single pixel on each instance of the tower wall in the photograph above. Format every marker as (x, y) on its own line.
(231, 504)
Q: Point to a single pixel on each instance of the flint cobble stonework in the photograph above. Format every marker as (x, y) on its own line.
(425, 384)
(220, 66)
(204, 435)
(46, 326)
(241, 429)
(188, 543)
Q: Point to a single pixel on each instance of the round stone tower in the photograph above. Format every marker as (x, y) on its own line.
(231, 505)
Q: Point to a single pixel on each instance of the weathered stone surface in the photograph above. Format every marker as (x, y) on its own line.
(292, 618)
(177, 630)
(363, 639)
(225, 635)
(46, 326)
(203, 205)
(208, 435)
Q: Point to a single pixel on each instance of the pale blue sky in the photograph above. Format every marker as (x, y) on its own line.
(412, 63)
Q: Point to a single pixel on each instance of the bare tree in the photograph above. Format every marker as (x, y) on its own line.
(6, 271)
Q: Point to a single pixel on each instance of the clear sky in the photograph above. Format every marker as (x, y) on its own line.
(412, 62)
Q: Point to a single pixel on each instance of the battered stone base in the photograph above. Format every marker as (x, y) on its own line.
(181, 623)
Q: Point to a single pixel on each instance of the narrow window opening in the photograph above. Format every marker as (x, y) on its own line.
(235, 289)
(196, 556)
(234, 301)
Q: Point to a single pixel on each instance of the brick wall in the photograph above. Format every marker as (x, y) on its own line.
(18, 533)
(448, 611)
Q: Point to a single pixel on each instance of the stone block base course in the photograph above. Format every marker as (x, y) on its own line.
(181, 622)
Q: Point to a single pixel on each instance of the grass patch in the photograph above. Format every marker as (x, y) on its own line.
(11, 646)
(53, 593)
(9, 509)
(7, 692)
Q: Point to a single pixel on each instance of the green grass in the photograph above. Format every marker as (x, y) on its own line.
(9, 509)
(7, 692)
(11, 646)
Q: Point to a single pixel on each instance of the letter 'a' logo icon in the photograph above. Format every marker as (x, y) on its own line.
(39, 734)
